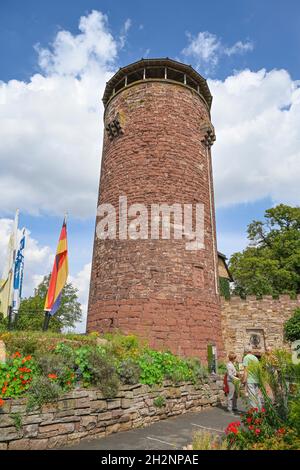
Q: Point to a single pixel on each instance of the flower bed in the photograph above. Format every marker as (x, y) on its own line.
(55, 389)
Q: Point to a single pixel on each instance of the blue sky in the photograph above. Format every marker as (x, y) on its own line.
(52, 74)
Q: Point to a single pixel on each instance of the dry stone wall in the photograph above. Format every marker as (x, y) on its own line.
(85, 414)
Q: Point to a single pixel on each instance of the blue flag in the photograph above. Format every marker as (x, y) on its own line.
(18, 273)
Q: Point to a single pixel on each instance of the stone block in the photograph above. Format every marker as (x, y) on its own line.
(88, 422)
(10, 433)
(38, 444)
(20, 444)
(31, 430)
(57, 441)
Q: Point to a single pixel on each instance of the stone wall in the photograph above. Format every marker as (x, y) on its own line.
(85, 414)
(256, 322)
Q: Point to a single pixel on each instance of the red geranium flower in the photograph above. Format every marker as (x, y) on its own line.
(1, 402)
(257, 431)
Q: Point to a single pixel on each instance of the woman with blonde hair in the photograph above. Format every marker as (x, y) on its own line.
(232, 377)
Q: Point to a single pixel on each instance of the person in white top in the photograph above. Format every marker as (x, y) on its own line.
(232, 376)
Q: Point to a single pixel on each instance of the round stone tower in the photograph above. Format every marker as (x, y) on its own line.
(157, 278)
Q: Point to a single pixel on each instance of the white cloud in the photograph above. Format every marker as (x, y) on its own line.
(51, 131)
(206, 49)
(257, 152)
(124, 31)
(82, 282)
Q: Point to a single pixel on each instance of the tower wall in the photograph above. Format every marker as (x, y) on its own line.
(157, 289)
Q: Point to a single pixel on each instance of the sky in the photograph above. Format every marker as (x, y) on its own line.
(55, 60)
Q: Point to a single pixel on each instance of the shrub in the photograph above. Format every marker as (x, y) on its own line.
(157, 366)
(42, 390)
(16, 375)
(292, 326)
(57, 367)
(123, 347)
(97, 369)
(199, 372)
(281, 440)
(129, 372)
(255, 432)
(294, 415)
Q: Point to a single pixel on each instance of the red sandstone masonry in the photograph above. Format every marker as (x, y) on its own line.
(240, 317)
(149, 287)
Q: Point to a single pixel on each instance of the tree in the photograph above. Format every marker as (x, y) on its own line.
(31, 312)
(292, 327)
(270, 265)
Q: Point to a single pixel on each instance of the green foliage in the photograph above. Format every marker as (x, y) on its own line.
(222, 369)
(42, 390)
(16, 375)
(270, 265)
(17, 419)
(129, 372)
(58, 366)
(31, 312)
(292, 326)
(36, 342)
(157, 366)
(224, 287)
(294, 414)
(287, 440)
(255, 430)
(63, 360)
(159, 401)
(199, 373)
(96, 368)
(123, 347)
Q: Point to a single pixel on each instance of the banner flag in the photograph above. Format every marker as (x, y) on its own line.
(18, 273)
(59, 274)
(6, 283)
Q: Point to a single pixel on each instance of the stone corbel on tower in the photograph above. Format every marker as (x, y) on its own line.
(208, 135)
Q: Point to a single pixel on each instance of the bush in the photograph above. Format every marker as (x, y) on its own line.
(97, 369)
(292, 327)
(199, 372)
(16, 375)
(282, 440)
(157, 366)
(42, 390)
(123, 347)
(33, 342)
(57, 367)
(129, 372)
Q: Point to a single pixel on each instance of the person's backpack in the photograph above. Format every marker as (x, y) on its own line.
(225, 384)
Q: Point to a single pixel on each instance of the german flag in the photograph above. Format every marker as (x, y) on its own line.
(59, 273)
